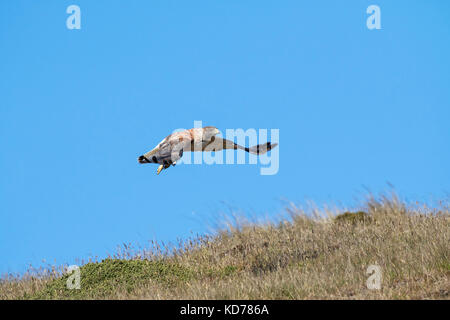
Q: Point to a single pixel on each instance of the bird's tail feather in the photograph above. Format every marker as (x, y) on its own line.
(261, 148)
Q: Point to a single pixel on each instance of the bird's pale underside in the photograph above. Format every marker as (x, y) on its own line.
(171, 149)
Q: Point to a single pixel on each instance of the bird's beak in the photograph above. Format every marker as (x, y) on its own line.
(159, 169)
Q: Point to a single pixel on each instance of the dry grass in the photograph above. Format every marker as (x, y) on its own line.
(298, 258)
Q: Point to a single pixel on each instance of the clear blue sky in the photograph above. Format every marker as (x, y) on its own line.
(356, 109)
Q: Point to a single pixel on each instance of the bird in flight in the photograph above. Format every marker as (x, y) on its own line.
(171, 149)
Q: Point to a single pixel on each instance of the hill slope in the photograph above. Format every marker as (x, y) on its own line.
(300, 258)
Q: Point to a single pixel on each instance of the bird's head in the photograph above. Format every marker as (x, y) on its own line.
(143, 159)
(149, 157)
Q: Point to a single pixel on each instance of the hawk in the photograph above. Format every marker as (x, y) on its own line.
(171, 149)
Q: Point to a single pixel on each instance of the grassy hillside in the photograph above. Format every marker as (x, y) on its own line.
(302, 257)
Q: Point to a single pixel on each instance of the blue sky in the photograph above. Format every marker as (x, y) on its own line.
(356, 109)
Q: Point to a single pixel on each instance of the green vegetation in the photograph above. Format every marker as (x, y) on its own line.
(325, 257)
(353, 217)
(100, 280)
